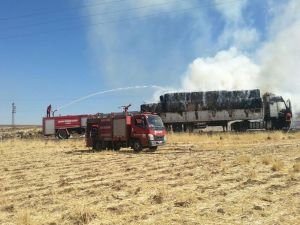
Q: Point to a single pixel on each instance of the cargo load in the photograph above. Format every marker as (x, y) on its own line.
(211, 100)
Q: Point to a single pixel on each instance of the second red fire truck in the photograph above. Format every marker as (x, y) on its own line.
(63, 126)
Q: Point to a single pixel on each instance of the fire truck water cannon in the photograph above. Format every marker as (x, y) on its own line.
(125, 108)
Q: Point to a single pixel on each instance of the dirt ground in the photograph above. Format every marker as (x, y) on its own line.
(221, 178)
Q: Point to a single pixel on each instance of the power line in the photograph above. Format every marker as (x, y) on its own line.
(43, 12)
(95, 14)
(118, 20)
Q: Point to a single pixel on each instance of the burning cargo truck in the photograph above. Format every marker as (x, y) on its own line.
(242, 110)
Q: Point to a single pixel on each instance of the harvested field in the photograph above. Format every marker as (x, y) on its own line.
(221, 178)
(26, 132)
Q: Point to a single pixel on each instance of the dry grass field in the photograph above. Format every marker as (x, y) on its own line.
(25, 131)
(221, 178)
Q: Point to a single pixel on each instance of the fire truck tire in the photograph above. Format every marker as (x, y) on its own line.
(117, 147)
(137, 147)
(98, 146)
(94, 145)
(62, 134)
(153, 148)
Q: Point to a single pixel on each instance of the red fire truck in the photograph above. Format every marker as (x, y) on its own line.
(117, 130)
(63, 126)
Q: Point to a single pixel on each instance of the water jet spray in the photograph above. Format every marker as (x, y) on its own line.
(108, 91)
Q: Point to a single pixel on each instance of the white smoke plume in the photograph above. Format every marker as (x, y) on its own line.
(274, 67)
(237, 31)
(279, 58)
(247, 57)
(228, 70)
(109, 42)
(233, 11)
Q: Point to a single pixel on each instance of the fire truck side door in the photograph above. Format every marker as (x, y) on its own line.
(139, 129)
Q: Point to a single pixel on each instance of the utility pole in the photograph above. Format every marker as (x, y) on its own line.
(13, 112)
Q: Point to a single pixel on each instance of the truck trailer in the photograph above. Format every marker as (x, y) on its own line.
(118, 130)
(242, 110)
(63, 126)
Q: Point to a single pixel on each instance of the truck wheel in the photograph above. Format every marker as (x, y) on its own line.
(98, 146)
(62, 134)
(94, 145)
(137, 147)
(153, 148)
(117, 147)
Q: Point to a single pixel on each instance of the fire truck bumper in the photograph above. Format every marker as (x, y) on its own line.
(156, 143)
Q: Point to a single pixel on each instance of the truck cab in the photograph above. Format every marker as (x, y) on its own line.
(277, 112)
(149, 130)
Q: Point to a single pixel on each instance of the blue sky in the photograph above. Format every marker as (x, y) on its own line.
(58, 51)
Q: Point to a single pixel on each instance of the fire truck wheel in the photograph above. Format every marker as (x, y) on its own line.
(94, 145)
(117, 147)
(98, 146)
(62, 134)
(137, 147)
(153, 148)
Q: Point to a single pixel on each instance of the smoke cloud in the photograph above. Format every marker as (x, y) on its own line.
(279, 58)
(228, 70)
(232, 12)
(124, 50)
(247, 52)
(274, 67)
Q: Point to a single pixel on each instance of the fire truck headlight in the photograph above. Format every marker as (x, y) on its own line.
(150, 137)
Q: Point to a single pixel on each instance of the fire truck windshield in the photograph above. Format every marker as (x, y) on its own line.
(155, 122)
